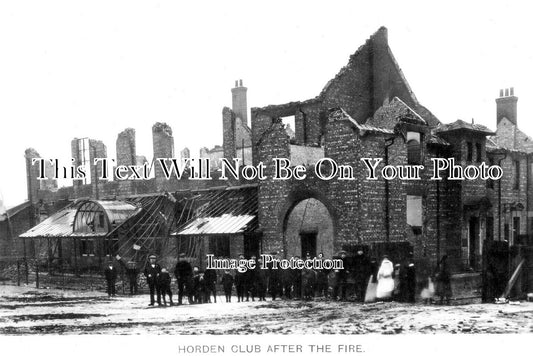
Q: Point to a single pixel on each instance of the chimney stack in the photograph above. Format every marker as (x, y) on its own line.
(506, 106)
(239, 101)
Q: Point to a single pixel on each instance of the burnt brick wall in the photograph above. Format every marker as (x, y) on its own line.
(126, 148)
(32, 172)
(228, 133)
(163, 143)
(97, 150)
(271, 194)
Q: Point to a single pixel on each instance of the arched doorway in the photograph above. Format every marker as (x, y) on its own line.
(309, 229)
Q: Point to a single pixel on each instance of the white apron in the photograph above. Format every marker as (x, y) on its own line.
(385, 280)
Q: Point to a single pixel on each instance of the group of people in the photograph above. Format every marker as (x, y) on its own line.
(372, 282)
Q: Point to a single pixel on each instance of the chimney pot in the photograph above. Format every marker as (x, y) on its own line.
(506, 106)
(240, 82)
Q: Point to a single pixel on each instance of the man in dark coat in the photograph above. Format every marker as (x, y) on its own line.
(183, 273)
(443, 279)
(132, 271)
(210, 276)
(249, 280)
(227, 285)
(288, 281)
(260, 281)
(240, 283)
(308, 281)
(151, 272)
(275, 286)
(110, 273)
(297, 280)
(408, 280)
(341, 277)
(321, 285)
(163, 281)
(361, 270)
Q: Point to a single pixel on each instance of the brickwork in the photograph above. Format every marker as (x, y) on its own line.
(309, 216)
(358, 208)
(239, 102)
(126, 148)
(358, 211)
(163, 143)
(228, 127)
(98, 150)
(506, 107)
(32, 172)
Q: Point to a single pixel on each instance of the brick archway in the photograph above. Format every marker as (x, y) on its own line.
(309, 224)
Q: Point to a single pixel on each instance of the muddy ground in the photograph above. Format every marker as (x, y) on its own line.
(25, 310)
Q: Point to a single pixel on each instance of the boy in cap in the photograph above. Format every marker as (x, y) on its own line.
(163, 281)
(151, 272)
(199, 288)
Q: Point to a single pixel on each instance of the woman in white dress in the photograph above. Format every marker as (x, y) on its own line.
(385, 280)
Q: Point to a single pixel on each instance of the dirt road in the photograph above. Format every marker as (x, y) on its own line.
(30, 311)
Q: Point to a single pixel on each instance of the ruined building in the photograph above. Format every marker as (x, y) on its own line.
(367, 110)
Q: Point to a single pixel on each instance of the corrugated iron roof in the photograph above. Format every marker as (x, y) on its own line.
(117, 210)
(61, 224)
(57, 225)
(226, 224)
(228, 211)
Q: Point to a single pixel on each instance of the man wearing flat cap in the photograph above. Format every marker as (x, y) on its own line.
(110, 273)
(341, 277)
(151, 272)
(183, 273)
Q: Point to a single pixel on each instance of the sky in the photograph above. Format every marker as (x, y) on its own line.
(91, 69)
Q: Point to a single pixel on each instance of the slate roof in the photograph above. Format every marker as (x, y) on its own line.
(462, 125)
